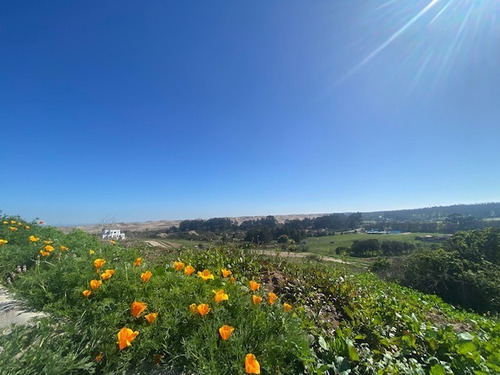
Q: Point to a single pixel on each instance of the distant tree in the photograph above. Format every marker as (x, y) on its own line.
(361, 248)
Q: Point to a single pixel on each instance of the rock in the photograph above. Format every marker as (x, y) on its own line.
(13, 311)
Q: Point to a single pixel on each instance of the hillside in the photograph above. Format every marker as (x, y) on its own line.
(122, 308)
(480, 211)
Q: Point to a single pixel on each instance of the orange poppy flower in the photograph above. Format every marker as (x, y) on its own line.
(272, 298)
(86, 293)
(205, 275)
(98, 358)
(146, 276)
(157, 358)
(5, 222)
(225, 331)
(137, 308)
(189, 270)
(220, 296)
(12, 229)
(226, 273)
(232, 280)
(12, 221)
(106, 274)
(252, 366)
(256, 299)
(27, 227)
(151, 317)
(178, 266)
(49, 248)
(203, 309)
(112, 242)
(44, 253)
(34, 239)
(125, 337)
(3, 242)
(287, 307)
(98, 263)
(63, 248)
(137, 262)
(41, 222)
(193, 308)
(20, 224)
(254, 286)
(94, 284)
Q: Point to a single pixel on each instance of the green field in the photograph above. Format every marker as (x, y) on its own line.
(326, 245)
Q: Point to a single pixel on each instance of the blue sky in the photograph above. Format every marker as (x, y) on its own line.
(181, 109)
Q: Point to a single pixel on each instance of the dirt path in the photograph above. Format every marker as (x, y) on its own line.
(163, 244)
(304, 255)
(13, 311)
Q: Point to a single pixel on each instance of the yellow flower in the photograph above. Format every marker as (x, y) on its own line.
(98, 263)
(189, 270)
(205, 275)
(94, 284)
(12, 229)
(252, 366)
(3, 242)
(63, 248)
(20, 224)
(254, 286)
(86, 293)
(225, 331)
(272, 298)
(27, 227)
(107, 274)
(12, 222)
(49, 248)
(112, 242)
(203, 309)
(256, 299)
(91, 252)
(98, 358)
(151, 317)
(34, 239)
(125, 337)
(178, 266)
(137, 308)
(287, 307)
(5, 222)
(146, 276)
(220, 295)
(193, 308)
(44, 253)
(137, 262)
(226, 273)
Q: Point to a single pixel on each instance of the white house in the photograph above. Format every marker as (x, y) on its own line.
(112, 234)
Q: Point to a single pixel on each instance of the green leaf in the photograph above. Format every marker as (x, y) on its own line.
(353, 353)
(465, 336)
(437, 369)
(323, 343)
(466, 347)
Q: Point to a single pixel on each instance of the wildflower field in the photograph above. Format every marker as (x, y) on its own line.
(114, 309)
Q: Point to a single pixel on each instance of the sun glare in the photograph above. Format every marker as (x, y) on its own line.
(443, 32)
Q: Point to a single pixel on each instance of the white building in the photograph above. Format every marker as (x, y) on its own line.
(112, 234)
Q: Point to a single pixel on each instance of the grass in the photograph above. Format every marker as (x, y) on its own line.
(340, 323)
(328, 244)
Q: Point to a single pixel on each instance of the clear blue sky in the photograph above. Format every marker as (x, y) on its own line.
(149, 110)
